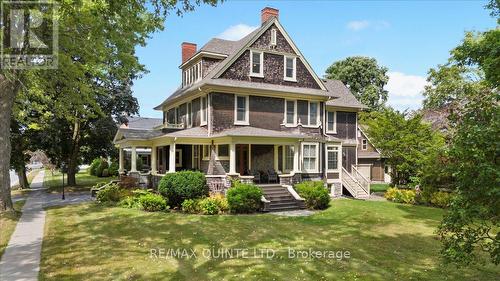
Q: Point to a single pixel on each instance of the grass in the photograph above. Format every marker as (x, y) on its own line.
(84, 181)
(379, 187)
(15, 189)
(386, 241)
(8, 221)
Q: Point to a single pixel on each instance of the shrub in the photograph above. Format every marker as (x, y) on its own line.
(94, 165)
(221, 202)
(179, 186)
(105, 173)
(397, 195)
(315, 194)
(244, 198)
(153, 203)
(441, 199)
(209, 206)
(110, 194)
(103, 166)
(113, 169)
(190, 206)
(130, 202)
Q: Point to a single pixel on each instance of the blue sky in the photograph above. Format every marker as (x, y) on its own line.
(408, 37)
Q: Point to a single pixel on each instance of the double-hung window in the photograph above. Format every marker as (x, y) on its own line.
(290, 112)
(310, 157)
(223, 151)
(331, 122)
(256, 64)
(364, 144)
(204, 111)
(189, 114)
(332, 158)
(313, 113)
(241, 110)
(288, 155)
(290, 68)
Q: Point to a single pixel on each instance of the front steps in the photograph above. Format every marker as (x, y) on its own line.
(356, 185)
(280, 199)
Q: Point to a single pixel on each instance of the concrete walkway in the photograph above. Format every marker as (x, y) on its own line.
(21, 259)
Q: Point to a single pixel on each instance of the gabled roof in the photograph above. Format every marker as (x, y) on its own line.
(142, 122)
(335, 90)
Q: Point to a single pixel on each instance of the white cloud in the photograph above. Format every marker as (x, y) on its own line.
(405, 91)
(236, 32)
(358, 25)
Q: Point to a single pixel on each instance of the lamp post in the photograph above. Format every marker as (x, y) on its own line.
(63, 170)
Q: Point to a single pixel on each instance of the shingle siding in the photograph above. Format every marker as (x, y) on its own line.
(264, 42)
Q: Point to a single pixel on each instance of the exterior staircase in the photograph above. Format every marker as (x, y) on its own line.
(357, 185)
(280, 198)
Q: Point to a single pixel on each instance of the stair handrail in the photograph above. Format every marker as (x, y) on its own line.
(346, 173)
(363, 182)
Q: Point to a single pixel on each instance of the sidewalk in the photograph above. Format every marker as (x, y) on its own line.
(21, 259)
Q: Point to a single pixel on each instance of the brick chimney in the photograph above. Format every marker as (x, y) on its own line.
(268, 13)
(188, 50)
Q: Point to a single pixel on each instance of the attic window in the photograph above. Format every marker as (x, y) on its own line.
(256, 64)
(192, 74)
(364, 144)
(273, 37)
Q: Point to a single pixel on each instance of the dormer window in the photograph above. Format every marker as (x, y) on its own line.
(273, 37)
(256, 64)
(191, 74)
(290, 70)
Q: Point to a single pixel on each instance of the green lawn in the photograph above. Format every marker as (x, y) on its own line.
(8, 221)
(386, 241)
(84, 181)
(379, 187)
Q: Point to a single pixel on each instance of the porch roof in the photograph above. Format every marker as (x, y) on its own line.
(248, 131)
(136, 134)
(369, 154)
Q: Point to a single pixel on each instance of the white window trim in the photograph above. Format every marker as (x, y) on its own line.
(203, 117)
(339, 158)
(294, 124)
(294, 76)
(308, 125)
(284, 157)
(316, 169)
(261, 69)
(334, 122)
(216, 152)
(364, 144)
(274, 36)
(247, 110)
(189, 114)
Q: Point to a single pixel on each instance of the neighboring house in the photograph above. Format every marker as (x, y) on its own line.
(255, 110)
(371, 163)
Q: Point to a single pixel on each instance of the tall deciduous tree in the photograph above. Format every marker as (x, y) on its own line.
(96, 42)
(404, 139)
(365, 78)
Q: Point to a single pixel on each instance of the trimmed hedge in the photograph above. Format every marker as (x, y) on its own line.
(244, 198)
(179, 186)
(316, 196)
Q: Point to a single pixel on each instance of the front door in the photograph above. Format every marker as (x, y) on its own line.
(242, 159)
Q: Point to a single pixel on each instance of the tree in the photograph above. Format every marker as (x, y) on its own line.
(364, 77)
(472, 223)
(96, 43)
(470, 228)
(404, 139)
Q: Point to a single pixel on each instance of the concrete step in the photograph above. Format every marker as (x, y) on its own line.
(283, 208)
(279, 197)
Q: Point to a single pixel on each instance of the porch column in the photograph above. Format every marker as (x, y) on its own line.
(296, 158)
(171, 159)
(133, 164)
(276, 158)
(154, 156)
(232, 158)
(121, 161)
